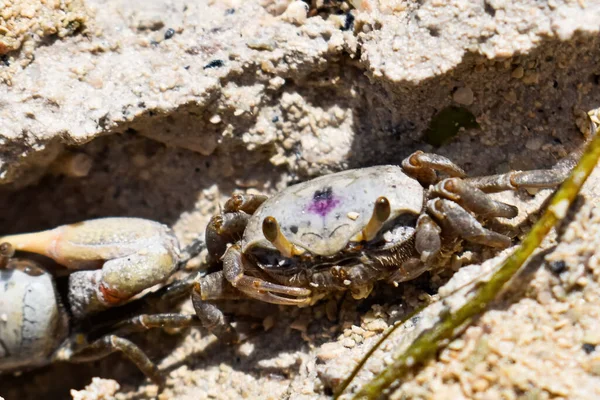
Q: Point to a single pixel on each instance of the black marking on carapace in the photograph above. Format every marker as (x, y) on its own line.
(294, 229)
(324, 194)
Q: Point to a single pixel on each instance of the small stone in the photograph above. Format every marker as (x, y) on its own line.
(348, 343)
(329, 351)
(169, 33)
(268, 322)
(463, 95)
(215, 119)
(480, 385)
(531, 77)
(300, 324)
(353, 215)
(296, 13)
(557, 266)
(518, 72)
(377, 325)
(588, 348)
(245, 349)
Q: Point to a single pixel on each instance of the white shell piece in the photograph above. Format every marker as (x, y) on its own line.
(315, 214)
(30, 319)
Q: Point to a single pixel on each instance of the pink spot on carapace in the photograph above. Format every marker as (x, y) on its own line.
(323, 202)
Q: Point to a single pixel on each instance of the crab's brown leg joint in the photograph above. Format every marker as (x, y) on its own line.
(144, 322)
(423, 166)
(538, 179)
(247, 203)
(473, 199)
(381, 212)
(212, 318)
(224, 229)
(109, 344)
(457, 219)
(233, 269)
(428, 242)
(273, 233)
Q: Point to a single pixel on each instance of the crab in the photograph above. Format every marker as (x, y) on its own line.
(121, 256)
(347, 230)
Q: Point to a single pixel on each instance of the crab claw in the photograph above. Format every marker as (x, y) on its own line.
(274, 235)
(381, 212)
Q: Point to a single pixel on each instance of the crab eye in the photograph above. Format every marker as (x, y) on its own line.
(6, 250)
(274, 235)
(270, 228)
(382, 209)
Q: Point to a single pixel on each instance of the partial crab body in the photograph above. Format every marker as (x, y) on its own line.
(117, 258)
(32, 321)
(323, 215)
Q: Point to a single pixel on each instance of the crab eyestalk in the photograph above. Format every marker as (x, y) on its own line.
(381, 212)
(6, 252)
(274, 235)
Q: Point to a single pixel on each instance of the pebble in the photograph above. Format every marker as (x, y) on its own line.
(463, 95)
(296, 13)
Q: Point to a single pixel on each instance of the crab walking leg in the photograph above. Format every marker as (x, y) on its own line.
(233, 269)
(151, 321)
(109, 344)
(464, 224)
(541, 178)
(191, 251)
(223, 229)
(118, 280)
(247, 203)
(473, 199)
(210, 288)
(428, 242)
(423, 166)
(408, 270)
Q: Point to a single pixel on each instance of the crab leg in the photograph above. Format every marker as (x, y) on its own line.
(423, 166)
(274, 235)
(464, 224)
(207, 289)
(381, 212)
(473, 199)
(224, 229)
(542, 178)
(427, 239)
(233, 269)
(408, 270)
(109, 344)
(247, 203)
(149, 321)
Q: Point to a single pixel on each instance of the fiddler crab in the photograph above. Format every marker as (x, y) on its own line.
(347, 230)
(114, 259)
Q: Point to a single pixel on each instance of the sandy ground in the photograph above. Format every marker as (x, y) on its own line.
(181, 104)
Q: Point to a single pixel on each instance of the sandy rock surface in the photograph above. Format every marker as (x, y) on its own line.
(176, 105)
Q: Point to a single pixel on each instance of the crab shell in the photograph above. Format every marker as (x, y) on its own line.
(324, 214)
(32, 323)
